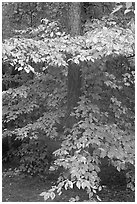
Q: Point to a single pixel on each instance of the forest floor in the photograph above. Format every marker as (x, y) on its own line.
(17, 187)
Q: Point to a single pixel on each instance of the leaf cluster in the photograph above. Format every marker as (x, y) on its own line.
(96, 44)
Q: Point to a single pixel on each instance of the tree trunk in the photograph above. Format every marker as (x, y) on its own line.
(74, 73)
(74, 18)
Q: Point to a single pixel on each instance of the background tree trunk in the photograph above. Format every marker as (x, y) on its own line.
(74, 73)
(74, 18)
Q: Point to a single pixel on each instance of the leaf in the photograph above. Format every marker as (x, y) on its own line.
(90, 195)
(78, 184)
(83, 185)
(86, 183)
(128, 5)
(76, 61)
(98, 197)
(70, 184)
(116, 47)
(58, 33)
(83, 159)
(46, 196)
(94, 191)
(52, 34)
(100, 188)
(89, 58)
(52, 195)
(66, 185)
(99, 48)
(20, 68)
(95, 39)
(60, 193)
(82, 58)
(43, 193)
(103, 152)
(117, 9)
(127, 11)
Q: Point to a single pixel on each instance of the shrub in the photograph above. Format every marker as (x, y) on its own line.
(104, 116)
(34, 157)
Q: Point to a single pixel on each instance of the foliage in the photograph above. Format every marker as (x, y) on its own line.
(47, 29)
(95, 44)
(124, 13)
(18, 16)
(31, 110)
(104, 116)
(86, 143)
(34, 157)
(127, 7)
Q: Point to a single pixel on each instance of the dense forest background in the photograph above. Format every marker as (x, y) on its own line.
(68, 91)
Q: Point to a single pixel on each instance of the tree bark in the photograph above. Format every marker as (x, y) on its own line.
(74, 73)
(74, 18)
